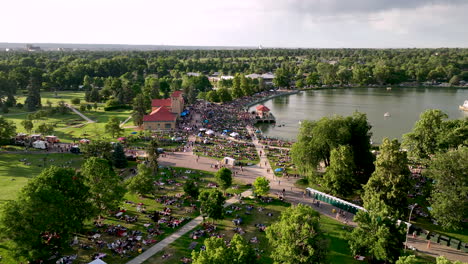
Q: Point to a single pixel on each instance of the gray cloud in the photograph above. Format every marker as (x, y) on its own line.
(340, 7)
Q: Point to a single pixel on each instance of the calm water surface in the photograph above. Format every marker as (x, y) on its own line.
(403, 104)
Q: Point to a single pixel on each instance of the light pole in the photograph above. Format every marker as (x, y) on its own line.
(409, 223)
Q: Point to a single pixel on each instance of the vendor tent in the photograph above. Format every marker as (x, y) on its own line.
(209, 132)
(229, 161)
(202, 129)
(234, 134)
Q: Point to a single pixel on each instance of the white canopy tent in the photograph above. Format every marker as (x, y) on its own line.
(229, 161)
(234, 134)
(209, 132)
(97, 261)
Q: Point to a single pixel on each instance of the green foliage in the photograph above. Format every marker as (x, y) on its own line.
(422, 140)
(191, 189)
(339, 176)
(224, 178)
(106, 188)
(390, 182)
(211, 204)
(224, 95)
(117, 107)
(297, 237)
(50, 208)
(118, 156)
(98, 149)
(407, 260)
(316, 139)
(377, 236)
(28, 125)
(7, 130)
(217, 252)
(212, 96)
(140, 105)
(143, 182)
(283, 77)
(45, 129)
(443, 260)
(261, 186)
(75, 101)
(113, 127)
(448, 197)
(153, 155)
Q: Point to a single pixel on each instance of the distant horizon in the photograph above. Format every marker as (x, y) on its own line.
(223, 46)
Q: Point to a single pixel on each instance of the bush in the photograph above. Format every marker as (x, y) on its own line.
(75, 101)
(19, 105)
(110, 108)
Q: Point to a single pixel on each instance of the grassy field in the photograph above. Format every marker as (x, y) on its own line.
(17, 169)
(70, 126)
(339, 252)
(171, 179)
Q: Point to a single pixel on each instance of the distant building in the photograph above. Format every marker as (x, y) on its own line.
(193, 74)
(31, 47)
(164, 112)
(262, 111)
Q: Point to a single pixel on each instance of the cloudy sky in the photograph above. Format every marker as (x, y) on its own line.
(271, 23)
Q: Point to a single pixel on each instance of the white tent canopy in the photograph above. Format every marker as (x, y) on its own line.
(234, 134)
(229, 161)
(97, 261)
(209, 132)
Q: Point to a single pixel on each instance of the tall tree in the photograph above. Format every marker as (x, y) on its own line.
(153, 155)
(261, 186)
(113, 127)
(191, 189)
(140, 105)
(377, 235)
(297, 237)
(118, 156)
(28, 125)
(143, 182)
(7, 130)
(224, 178)
(449, 197)
(224, 95)
(339, 177)
(106, 188)
(421, 142)
(211, 204)
(97, 148)
(390, 181)
(48, 210)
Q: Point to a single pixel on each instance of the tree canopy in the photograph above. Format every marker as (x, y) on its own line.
(143, 182)
(390, 181)
(224, 178)
(449, 197)
(261, 186)
(218, 252)
(211, 204)
(51, 207)
(7, 130)
(106, 187)
(297, 237)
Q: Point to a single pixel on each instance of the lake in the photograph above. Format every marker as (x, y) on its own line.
(403, 104)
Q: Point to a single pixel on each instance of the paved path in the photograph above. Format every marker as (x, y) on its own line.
(80, 114)
(436, 249)
(125, 121)
(182, 231)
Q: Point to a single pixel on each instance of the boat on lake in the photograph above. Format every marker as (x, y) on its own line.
(387, 114)
(464, 107)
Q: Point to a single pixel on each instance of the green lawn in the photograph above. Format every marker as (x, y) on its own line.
(339, 251)
(14, 174)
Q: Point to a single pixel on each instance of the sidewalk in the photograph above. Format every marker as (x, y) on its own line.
(182, 231)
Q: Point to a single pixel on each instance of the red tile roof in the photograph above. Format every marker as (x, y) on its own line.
(161, 102)
(161, 114)
(262, 108)
(176, 94)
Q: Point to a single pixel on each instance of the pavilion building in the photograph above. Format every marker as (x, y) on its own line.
(164, 112)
